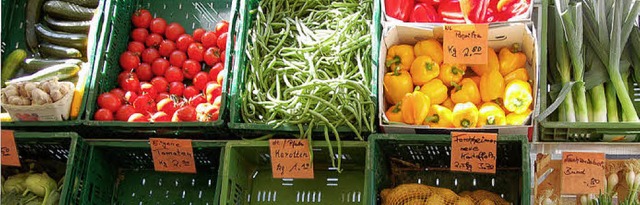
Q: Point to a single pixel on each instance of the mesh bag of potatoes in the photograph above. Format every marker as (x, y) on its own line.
(418, 194)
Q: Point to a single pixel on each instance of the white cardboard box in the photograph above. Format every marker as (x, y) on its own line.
(500, 35)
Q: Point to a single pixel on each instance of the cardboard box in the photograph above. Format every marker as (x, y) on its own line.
(500, 35)
(57, 111)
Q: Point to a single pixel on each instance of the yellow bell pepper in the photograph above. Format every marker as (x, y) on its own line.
(466, 91)
(465, 115)
(511, 59)
(520, 74)
(400, 56)
(517, 119)
(491, 86)
(517, 96)
(394, 113)
(423, 69)
(491, 114)
(492, 63)
(415, 107)
(396, 85)
(431, 48)
(439, 116)
(448, 104)
(476, 79)
(451, 73)
(436, 90)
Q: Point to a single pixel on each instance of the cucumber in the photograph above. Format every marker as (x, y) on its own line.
(60, 71)
(32, 17)
(32, 65)
(56, 51)
(11, 64)
(85, 3)
(73, 40)
(67, 26)
(68, 11)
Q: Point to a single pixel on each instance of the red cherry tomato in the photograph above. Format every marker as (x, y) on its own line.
(221, 77)
(174, 30)
(190, 68)
(195, 51)
(159, 66)
(144, 72)
(148, 89)
(141, 18)
(166, 47)
(177, 58)
(160, 117)
(212, 55)
(200, 80)
(139, 34)
(138, 117)
(197, 34)
(149, 55)
(130, 96)
(222, 41)
(197, 99)
(176, 88)
(144, 104)
(174, 74)
(153, 40)
(222, 27)
(135, 47)
(190, 91)
(212, 91)
(162, 95)
(185, 114)
(118, 92)
(213, 73)
(125, 112)
(183, 42)
(158, 25)
(130, 83)
(129, 60)
(209, 39)
(109, 101)
(103, 115)
(160, 83)
(167, 105)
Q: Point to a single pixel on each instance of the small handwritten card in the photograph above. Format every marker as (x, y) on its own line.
(290, 158)
(9, 150)
(172, 155)
(465, 43)
(473, 152)
(582, 172)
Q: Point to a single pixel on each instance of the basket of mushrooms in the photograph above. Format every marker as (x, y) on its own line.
(38, 101)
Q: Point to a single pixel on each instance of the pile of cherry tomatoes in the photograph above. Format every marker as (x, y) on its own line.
(162, 78)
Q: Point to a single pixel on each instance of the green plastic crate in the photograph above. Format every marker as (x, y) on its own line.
(191, 14)
(247, 177)
(13, 24)
(237, 125)
(552, 130)
(64, 148)
(431, 155)
(121, 172)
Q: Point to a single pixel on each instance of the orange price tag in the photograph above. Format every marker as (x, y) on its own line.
(473, 152)
(172, 155)
(465, 43)
(290, 158)
(582, 172)
(9, 149)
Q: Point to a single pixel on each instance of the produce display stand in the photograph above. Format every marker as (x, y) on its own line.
(66, 149)
(192, 14)
(395, 159)
(247, 177)
(13, 23)
(121, 172)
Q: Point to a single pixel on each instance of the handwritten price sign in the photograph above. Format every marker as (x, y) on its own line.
(290, 158)
(465, 43)
(9, 150)
(172, 155)
(473, 152)
(582, 172)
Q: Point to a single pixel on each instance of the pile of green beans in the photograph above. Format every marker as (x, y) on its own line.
(309, 65)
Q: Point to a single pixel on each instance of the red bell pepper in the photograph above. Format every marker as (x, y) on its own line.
(475, 11)
(450, 11)
(399, 9)
(430, 2)
(508, 9)
(424, 12)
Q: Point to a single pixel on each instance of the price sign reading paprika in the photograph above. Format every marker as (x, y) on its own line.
(172, 155)
(582, 173)
(9, 150)
(473, 152)
(290, 158)
(465, 43)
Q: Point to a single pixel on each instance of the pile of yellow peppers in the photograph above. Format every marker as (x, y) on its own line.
(421, 89)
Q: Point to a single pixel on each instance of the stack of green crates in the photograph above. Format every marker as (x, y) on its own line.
(430, 156)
